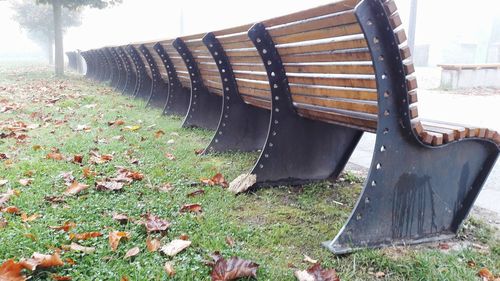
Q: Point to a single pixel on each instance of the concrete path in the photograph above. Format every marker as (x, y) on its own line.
(477, 109)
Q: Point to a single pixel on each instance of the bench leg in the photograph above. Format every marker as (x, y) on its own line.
(416, 194)
(143, 89)
(300, 151)
(159, 93)
(177, 101)
(204, 110)
(242, 127)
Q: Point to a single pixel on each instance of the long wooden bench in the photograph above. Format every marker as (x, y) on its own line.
(304, 87)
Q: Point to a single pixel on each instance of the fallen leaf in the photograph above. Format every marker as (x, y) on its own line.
(61, 278)
(196, 193)
(82, 128)
(70, 261)
(198, 151)
(194, 208)
(55, 199)
(155, 224)
(25, 182)
(170, 156)
(11, 271)
(175, 246)
(55, 156)
(79, 248)
(5, 197)
(169, 269)
(315, 273)
(379, 274)
(84, 236)
(3, 224)
(26, 218)
(3, 156)
(167, 187)
(171, 141)
(30, 236)
(121, 218)
(3, 182)
(96, 158)
(37, 147)
(486, 274)
(309, 259)
(11, 210)
(117, 122)
(115, 237)
(132, 128)
(444, 246)
(75, 188)
(242, 183)
(78, 158)
(132, 252)
(229, 241)
(67, 226)
(42, 261)
(109, 185)
(152, 244)
(232, 269)
(124, 278)
(159, 134)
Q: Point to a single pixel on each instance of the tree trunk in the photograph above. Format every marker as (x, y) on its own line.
(59, 54)
(50, 49)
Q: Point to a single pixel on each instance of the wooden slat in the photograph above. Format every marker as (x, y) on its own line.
(252, 84)
(324, 46)
(248, 66)
(368, 124)
(335, 81)
(237, 29)
(335, 7)
(245, 60)
(330, 68)
(347, 93)
(335, 56)
(335, 31)
(257, 102)
(265, 94)
(351, 105)
(342, 18)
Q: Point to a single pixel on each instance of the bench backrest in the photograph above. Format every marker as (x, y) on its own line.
(180, 67)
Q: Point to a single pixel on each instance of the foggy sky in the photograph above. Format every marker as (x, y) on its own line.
(439, 21)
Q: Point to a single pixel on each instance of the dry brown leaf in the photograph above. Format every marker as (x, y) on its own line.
(26, 218)
(55, 156)
(79, 248)
(155, 224)
(117, 122)
(230, 241)
(159, 134)
(75, 188)
(121, 218)
(486, 274)
(242, 183)
(309, 259)
(109, 185)
(84, 236)
(115, 237)
(170, 156)
(167, 187)
(87, 173)
(3, 223)
(6, 197)
(11, 271)
(199, 151)
(65, 227)
(175, 246)
(30, 236)
(61, 278)
(42, 261)
(169, 269)
(379, 274)
(25, 182)
(78, 158)
(55, 199)
(132, 252)
(184, 237)
(11, 210)
(232, 269)
(37, 147)
(194, 208)
(196, 193)
(315, 272)
(152, 244)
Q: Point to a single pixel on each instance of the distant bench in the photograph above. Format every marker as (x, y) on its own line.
(303, 88)
(460, 76)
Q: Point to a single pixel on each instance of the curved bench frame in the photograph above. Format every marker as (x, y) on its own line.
(104, 72)
(242, 127)
(159, 89)
(116, 68)
(297, 150)
(128, 83)
(414, 192)
(89, 60)
(111, 65)
(204, 107)
(178, 96)
(143, 81)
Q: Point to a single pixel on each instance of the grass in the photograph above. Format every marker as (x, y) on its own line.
(274, 227)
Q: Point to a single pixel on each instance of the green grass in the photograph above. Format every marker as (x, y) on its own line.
(274, 227)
